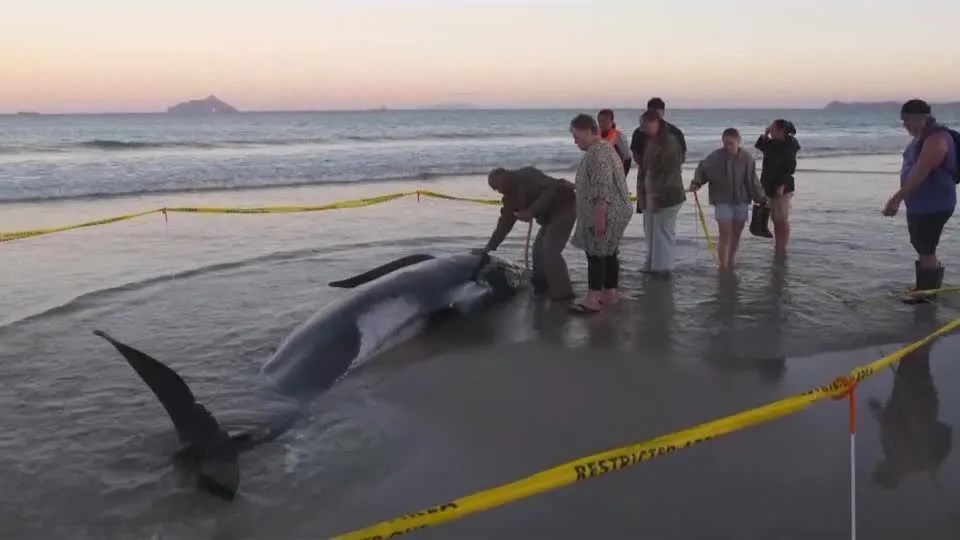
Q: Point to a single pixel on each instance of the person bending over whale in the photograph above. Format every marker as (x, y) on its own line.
(528, 194)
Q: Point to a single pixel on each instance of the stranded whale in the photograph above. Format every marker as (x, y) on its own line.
(389, 304)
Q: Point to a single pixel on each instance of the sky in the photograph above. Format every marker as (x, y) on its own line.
(63, 56)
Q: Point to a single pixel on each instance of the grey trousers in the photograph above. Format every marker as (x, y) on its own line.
(659, 230)
(550, 272)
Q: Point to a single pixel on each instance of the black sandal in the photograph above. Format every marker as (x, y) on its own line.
(582, 309)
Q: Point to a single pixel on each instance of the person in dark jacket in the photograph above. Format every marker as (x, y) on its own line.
(530, 194)
(779, 147)
(639, 139)
(660, 194)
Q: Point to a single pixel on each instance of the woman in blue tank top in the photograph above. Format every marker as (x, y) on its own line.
(928, 188)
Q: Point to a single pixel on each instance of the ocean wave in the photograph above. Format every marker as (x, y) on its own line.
(107, 144)
(847, 171)
(122, 145)
(134, 191)
(564, 169)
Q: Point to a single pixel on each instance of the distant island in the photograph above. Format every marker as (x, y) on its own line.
(210, 105)
(882, 105)
(452, 106)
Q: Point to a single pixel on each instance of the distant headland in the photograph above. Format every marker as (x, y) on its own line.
(210, 105)
(882, 105)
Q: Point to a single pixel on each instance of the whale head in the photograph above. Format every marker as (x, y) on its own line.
(502, 277)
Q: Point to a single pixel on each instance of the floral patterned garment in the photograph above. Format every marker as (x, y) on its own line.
(600, 176)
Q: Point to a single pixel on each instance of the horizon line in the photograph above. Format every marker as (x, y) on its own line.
(465, 107)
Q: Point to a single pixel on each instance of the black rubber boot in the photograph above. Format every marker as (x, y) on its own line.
(925, 280)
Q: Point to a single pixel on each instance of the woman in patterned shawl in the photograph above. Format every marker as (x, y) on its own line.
(603, 212)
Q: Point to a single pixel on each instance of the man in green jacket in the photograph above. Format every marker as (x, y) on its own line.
(529, 194)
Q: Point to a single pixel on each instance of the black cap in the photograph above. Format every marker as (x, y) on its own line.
(915, 106)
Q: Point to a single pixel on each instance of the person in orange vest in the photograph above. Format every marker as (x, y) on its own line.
(610, 133)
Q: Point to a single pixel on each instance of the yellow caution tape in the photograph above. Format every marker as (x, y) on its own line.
(900, 295)
(436, 195)
(628, 456)
(355, 203)
(9, 236)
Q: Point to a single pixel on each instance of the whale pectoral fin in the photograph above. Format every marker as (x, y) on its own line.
(207, 445)
(381, 271)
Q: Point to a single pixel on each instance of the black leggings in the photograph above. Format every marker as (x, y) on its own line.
(603, 272)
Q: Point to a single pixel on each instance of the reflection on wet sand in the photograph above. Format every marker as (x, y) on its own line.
(659, 316)
(746, 335)
(911, 436)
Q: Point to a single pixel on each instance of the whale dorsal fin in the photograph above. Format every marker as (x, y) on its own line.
(380, 271)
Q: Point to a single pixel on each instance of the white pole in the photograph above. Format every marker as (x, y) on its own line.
(853, 486)
(852, 402)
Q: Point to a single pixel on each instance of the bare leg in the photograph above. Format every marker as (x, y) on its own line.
(780, 215)
(723, 242)
(781, 235)
(734, 245)
(929, 262)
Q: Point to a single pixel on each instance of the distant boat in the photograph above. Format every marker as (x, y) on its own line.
(28, 113)
(210, 105)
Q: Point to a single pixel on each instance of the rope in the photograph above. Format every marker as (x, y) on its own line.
(706, 231)
(526, 248)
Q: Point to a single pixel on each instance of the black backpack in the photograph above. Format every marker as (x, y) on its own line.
(956, 153)
(956, 146)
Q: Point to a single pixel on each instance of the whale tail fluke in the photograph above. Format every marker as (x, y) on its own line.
(212, 452)
(381, 271)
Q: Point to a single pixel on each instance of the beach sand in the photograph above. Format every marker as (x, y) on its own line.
(472, 403)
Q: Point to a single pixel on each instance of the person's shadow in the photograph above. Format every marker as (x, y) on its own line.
(912, 438)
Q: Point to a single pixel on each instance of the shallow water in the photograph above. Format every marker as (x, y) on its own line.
(471, 403)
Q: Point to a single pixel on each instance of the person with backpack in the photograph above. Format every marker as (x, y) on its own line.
(928, 187)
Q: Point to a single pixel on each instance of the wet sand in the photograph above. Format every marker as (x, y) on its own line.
(470, 404)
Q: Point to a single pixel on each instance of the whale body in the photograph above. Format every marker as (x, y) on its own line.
(387, 305)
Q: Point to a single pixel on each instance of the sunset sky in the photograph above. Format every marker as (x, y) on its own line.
(143, 55)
